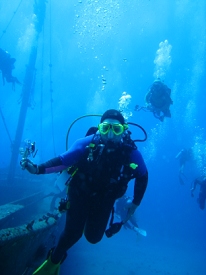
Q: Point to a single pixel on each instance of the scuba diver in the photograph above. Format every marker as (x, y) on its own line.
(6, 67)
(101, 165)
(184, 155)
(202, 193)
(158, 100)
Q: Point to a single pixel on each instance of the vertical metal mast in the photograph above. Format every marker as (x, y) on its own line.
(39, 11)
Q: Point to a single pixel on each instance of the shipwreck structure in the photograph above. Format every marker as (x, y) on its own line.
(30, 223)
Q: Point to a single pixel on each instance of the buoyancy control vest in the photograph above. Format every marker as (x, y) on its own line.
(104, 170)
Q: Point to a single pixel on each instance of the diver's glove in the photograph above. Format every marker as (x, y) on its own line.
(29, 166)
(131, 209)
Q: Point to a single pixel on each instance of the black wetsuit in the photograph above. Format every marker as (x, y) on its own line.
(95, 186)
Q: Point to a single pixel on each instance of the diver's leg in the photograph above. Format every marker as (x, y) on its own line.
(75, 221)
(158, 115)
(100, 210)
(167, 113)
(201, 199)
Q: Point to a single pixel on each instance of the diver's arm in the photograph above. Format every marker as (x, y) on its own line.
(140, 176)
(61, 162)
(51, 166)
(140, 188)
(66, 159)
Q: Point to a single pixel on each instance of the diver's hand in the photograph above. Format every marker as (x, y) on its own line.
(192, 190)
(131, 209)
(29, 166)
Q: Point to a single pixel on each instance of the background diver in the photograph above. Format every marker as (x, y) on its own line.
(184, 156)
(6, 67)
(202, 193)
(158, 100)
(102, 165)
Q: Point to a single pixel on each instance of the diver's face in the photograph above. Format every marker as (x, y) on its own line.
(108, 134)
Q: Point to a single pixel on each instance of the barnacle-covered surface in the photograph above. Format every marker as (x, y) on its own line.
(28, 229)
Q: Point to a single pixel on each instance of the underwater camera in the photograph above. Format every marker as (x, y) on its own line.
(28, 150)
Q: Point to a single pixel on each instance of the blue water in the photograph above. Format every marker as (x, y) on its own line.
(98, 50)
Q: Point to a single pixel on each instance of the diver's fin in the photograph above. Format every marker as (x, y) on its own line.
(48, 268)
(140, 231)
